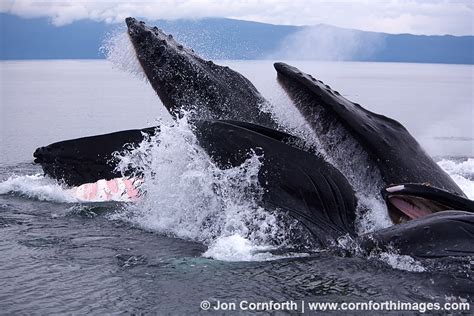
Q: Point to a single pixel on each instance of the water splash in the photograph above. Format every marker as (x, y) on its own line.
(37, 187)
(389, 256)
(291, 120)
(462, 173)
(237, 248)
(119, 50)
(401, 262)
(189, 197)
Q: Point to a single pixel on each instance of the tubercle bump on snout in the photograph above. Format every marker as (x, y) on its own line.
(129, 20)
(139, 29)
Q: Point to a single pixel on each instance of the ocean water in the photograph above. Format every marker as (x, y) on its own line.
(61, 255)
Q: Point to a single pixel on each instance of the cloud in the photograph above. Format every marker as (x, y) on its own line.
(392, 16)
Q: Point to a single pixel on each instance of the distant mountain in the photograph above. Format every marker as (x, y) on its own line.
(39, 39)
(218, 38)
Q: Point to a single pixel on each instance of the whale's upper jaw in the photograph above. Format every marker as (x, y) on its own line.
(160, 55)
(88, 159)
(388, 144)
(412, 200)
(185, 81)
(153, 42)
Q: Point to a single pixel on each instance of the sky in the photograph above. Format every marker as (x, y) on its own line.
(430, 17)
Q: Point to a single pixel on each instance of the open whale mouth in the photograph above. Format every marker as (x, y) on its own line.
(404, 207)
(411, 201)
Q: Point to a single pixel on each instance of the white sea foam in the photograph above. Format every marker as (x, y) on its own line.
(237, 248)
(390, 257)
(462, 173)
(401, 262)
(37, 187)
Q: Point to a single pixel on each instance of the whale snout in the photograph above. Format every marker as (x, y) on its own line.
(130, 21)
(41, 154)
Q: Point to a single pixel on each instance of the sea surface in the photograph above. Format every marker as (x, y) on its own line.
(60, 255)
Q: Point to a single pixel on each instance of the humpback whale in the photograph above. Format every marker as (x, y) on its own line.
(390, 147)
(230, 122)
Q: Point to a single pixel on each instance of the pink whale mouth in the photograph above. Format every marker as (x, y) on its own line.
(118, 189)
(411, 207)
(404, 207)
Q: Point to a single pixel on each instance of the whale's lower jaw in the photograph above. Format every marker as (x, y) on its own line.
(442, 234)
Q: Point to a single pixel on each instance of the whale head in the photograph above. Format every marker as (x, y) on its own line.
(185, 81)
(382, 152)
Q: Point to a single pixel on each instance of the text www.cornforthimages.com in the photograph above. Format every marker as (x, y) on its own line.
(303, 306)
